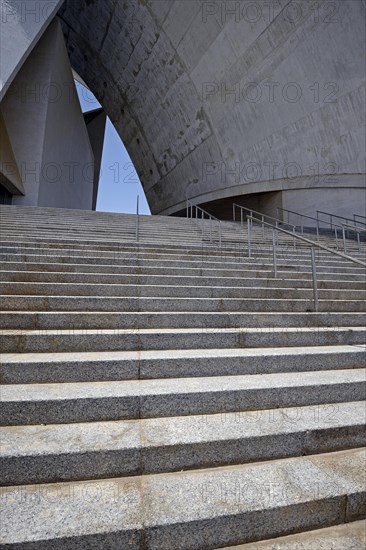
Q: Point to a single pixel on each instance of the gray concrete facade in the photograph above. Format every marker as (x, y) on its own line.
(215, 100)
(46, 128)
(257, 102)
(50, 153)
(22, 25)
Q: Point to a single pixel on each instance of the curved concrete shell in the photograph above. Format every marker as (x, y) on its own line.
(214, 100)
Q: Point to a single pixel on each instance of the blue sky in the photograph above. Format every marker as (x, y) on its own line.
(119, 183)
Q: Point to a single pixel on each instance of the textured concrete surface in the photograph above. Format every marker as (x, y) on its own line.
(161, 319)
(187, 510)
(21, 27)
(25, 368)
(351, 536)
(40, 108)
(95, 450)
(193, 98)
(78, 402)
(58, 340)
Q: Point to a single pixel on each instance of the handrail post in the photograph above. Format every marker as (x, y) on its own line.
(317, 229)
(263, 226)
(187, 206)
(315, 282)
(249, 239)
(358, 240)
(294, 232)
(233, 212)
(344, 241)
(137, 218)
(336, 236)
(274, 254)
(241, 216)
(220, 233)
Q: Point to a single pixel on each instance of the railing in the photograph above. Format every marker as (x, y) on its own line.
(313, 245)
(336, 226)
(251, 212)
(359, 216)
(201, 214)
(357, 230)
(263, 216)
(301, 216)
(280, 221)
(332, 216)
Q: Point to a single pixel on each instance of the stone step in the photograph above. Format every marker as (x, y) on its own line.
(171, 280)
(167, 291)
(261, 271)
(179, 291)
(73, 223)
(27, 242)
(160, 226)
(173, 240)
(58, 340)
(196, 509)
(199, 253)
(169, 253)
(27, 368)
(348, 536)
(27, 320)
(21, 302)
(119, 400)
(96, 450)
(289, 260)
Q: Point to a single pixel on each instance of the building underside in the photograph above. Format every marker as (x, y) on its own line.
(257, 102)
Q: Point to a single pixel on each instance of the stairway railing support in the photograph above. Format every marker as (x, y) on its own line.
(344, 240)
(315, 281)
(249, 238)
(137, 218)
(274, 254)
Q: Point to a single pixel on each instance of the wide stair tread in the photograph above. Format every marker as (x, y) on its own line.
(193, 509)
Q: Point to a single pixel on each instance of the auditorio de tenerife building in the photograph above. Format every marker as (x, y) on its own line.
(257, 102)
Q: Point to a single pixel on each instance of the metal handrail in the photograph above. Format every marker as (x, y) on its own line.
(277, 220)
(190, 207)
(354, 228)
(335, 225)
(358, 216)
(336, 216)
(357, 230)
(308, 217)
(313, 245)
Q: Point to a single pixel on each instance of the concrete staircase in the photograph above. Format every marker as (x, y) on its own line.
(170, 394)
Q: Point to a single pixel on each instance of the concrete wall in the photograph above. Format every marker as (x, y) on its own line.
(46, 128)
(212, 104)
(9, 173)
(22, 23)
